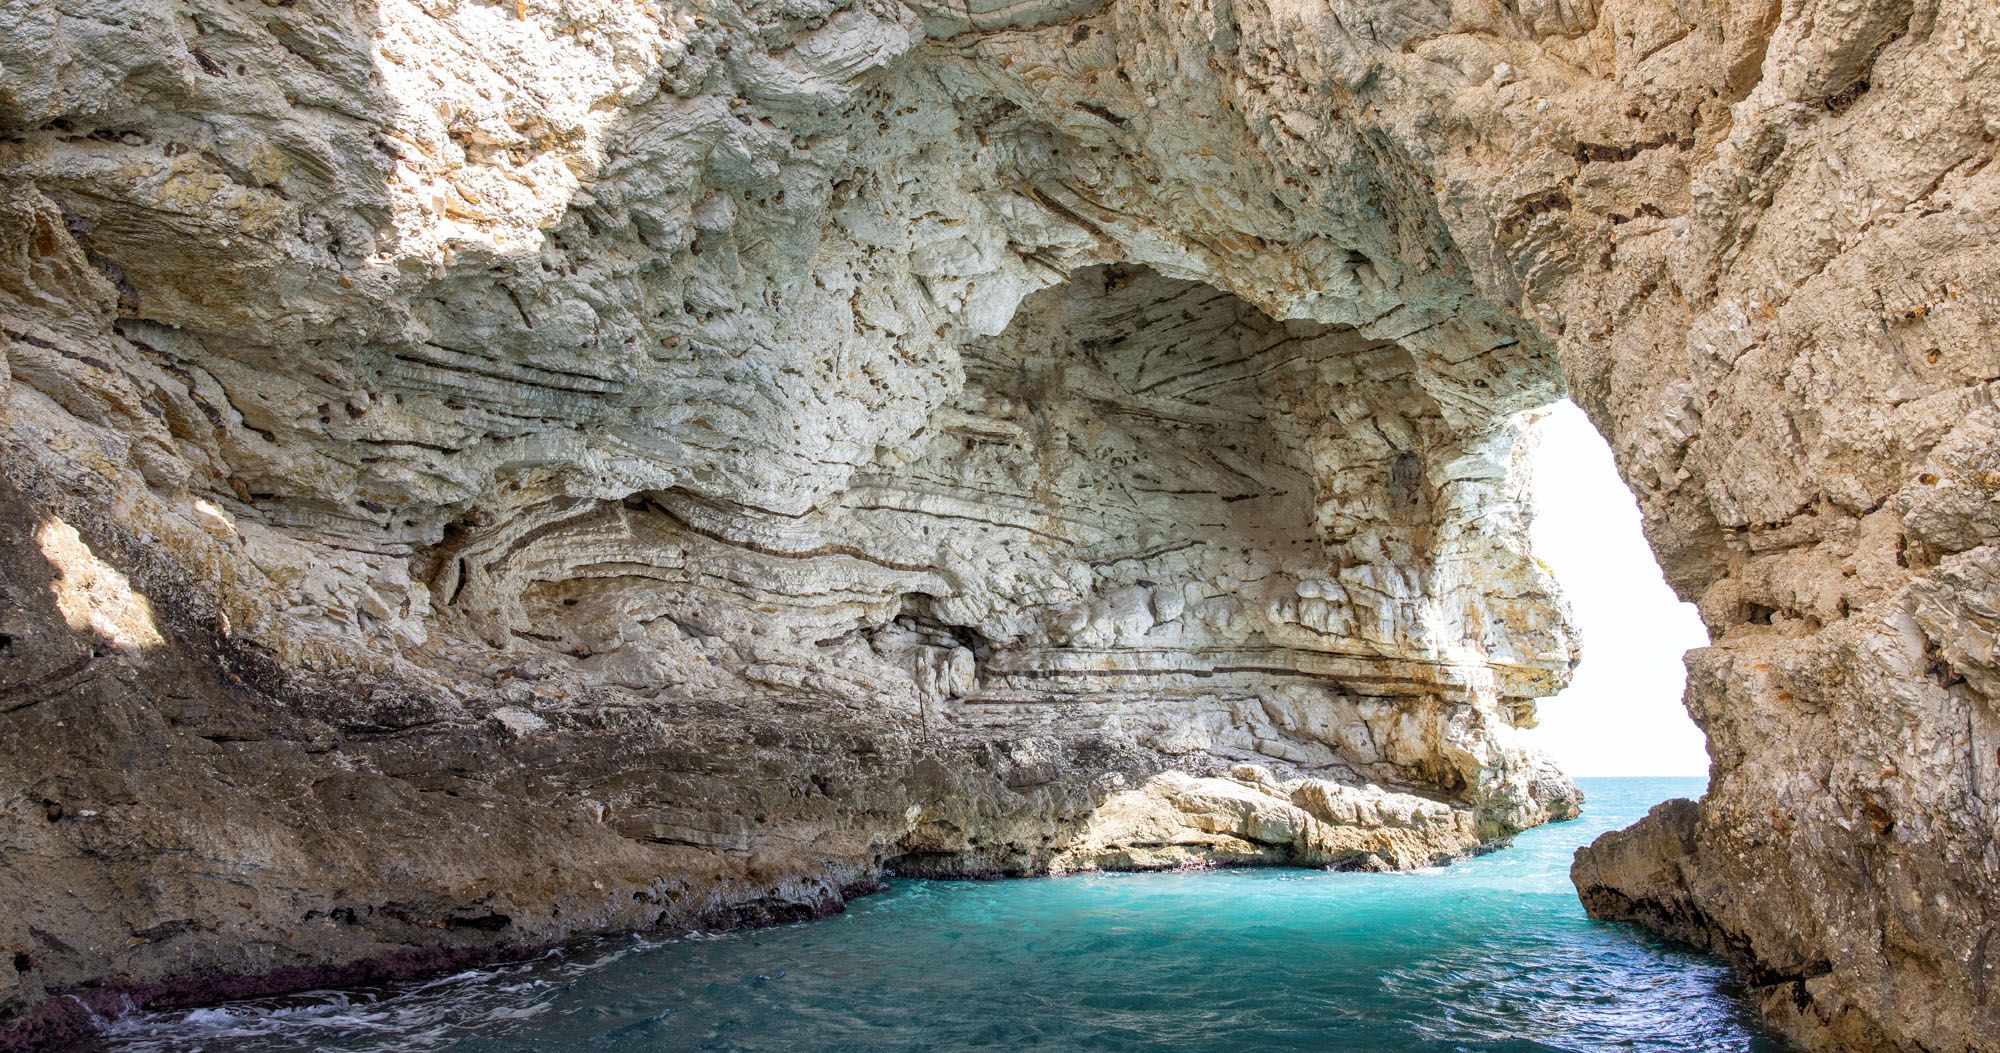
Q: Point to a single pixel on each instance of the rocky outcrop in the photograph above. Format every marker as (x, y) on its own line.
(1810, 434)
(487, 472)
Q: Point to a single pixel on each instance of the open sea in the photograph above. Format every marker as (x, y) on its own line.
(1491, 954)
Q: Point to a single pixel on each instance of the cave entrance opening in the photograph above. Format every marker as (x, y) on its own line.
(1622, 712)
(1147, 484)
(1234, 557)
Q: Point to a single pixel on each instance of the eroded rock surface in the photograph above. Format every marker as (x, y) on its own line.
(489, 472)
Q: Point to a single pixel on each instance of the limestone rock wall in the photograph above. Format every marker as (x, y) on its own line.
(589, 464)
(480, 474)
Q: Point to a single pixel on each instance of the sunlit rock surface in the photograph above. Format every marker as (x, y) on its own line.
(525, 469)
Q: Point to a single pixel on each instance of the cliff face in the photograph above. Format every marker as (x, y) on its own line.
(482, 474)
(489, 472)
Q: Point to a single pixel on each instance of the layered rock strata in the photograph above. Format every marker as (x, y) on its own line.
(487, 472)
(482, 475)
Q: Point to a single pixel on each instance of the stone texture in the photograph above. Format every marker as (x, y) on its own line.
(588, 464)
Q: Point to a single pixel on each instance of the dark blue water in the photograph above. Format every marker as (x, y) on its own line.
(1492, 954)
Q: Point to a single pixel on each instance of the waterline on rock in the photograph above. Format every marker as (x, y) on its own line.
(1490, 954)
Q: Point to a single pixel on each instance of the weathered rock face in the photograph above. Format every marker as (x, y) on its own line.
(490, 472)
(481, 475)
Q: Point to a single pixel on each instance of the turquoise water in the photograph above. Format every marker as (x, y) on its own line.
(1492, 954)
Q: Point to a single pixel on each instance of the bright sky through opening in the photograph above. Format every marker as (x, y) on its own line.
(1621, 714)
